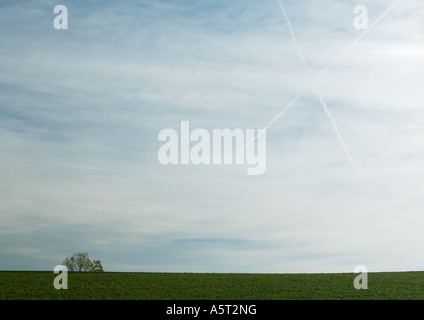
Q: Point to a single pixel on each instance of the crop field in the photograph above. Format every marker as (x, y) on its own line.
(28, 285)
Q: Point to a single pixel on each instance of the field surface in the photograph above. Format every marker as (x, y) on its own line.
(189, 286)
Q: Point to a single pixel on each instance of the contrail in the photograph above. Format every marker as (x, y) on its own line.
(324, 105)
(363, 34)
(340, 55)
(321, 99)
(299, 50)
(287, 107)
(328, 67)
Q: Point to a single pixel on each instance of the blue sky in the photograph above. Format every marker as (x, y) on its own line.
(81, 109)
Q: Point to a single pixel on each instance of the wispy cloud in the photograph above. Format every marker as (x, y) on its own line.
(80, 111)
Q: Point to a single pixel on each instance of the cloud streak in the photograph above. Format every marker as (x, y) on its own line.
(80, 112)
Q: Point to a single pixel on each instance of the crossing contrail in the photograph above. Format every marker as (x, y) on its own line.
(320, 98)
(328, 67)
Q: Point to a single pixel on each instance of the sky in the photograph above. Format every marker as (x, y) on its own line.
(81, 110)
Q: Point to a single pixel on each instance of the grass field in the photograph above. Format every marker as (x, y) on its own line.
(189, 286)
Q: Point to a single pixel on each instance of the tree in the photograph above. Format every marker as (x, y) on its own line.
(81, 262)
(97, 266)
(70, 263)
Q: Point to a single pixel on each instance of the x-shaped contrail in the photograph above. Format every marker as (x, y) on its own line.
(320, 98)
(328, 67)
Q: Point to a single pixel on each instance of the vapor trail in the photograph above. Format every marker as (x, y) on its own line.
(299, 50)
(354, 42)
(334, 61)
(324, 105)
(328, 67)
(321, 99)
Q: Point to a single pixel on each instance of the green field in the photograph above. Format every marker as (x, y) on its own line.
(193, 286)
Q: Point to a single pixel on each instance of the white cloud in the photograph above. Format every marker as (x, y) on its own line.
(80, 113)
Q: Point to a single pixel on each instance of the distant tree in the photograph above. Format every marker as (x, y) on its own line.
(84, 263)
(97, 266)
(81, 262)
(70, 263)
